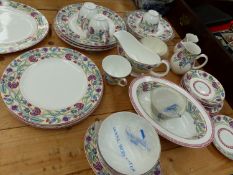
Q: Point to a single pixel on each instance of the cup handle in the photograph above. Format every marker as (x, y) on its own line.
(122, 82)
(203, 64)
(155, 74)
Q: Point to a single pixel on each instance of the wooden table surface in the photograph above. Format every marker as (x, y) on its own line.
(25, 150)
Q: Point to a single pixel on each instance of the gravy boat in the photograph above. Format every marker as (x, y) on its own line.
(141, 58)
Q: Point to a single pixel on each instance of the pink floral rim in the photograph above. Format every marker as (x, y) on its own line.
(163, 134)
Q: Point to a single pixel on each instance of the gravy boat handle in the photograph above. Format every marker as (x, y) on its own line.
(162, 74)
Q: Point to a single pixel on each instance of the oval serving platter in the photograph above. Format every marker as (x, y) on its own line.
(194, 129)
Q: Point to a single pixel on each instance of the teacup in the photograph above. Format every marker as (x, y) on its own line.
(185, 59)
(189, 37)
(86, 13)
(99, 29)
(116, 69)
(155, 45)
(142, 59)
(167, 103)
(150, 21)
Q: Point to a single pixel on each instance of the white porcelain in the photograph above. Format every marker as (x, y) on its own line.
(167, 103)
(193, 129)
(150, 21)
(52, 84)
(223, 135)
(189, 37)
(185, 59)
(142, 59)
(99, 29)
(155, 45)
(116, 69)
(128, 143)
(86, 13)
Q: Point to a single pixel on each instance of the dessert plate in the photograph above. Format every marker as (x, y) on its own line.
(192, 129)
(204, 87)
(91, 151)
(68, 25)
(21, 26)
(51, 87)
(223, 135)
(133, 19)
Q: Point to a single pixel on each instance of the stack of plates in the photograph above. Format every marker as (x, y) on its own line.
(21, 26)
(133, 19)
(124, 143)
(51, 87)
(68, 29)
(205, 88)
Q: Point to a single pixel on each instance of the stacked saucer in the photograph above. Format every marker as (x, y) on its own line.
(205, 88)
(124, 143)
(88, 26)
(142, 24)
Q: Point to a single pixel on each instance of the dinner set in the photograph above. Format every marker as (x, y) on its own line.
(56, 87)
(205, 88)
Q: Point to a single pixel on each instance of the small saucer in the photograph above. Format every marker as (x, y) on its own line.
(204, 87)
(133, 19)
(91, 151)
(223, 135)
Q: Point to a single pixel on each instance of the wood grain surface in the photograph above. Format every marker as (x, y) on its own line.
(25, 150)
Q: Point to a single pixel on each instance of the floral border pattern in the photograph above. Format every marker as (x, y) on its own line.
(133, 26)
(42, 29)
(65, 14)
(33, 115)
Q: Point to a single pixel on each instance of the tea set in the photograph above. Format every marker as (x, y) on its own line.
(32, 85)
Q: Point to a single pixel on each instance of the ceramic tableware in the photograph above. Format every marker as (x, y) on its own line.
(203, 86)
(51, 87)
(155, 45)
(150, 21)
(21, 26)
(98, 29)
(128, 143)
(86, 13)
(68, 26)
(167, 103)
(133, 20)
(223, 135)
(93, 156)
(141, 58)
(184, 60)
(193, 129)
(189, 37)
(116, 69)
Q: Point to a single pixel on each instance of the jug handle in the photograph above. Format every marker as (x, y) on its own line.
(203, 64)
(155, 74)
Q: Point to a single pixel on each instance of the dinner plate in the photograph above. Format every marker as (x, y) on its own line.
(67, 24)
(92, 155)
(194, 127)
(83, 47)
(223, 135)
(51, 87)
(133, 19)
(21, 26)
